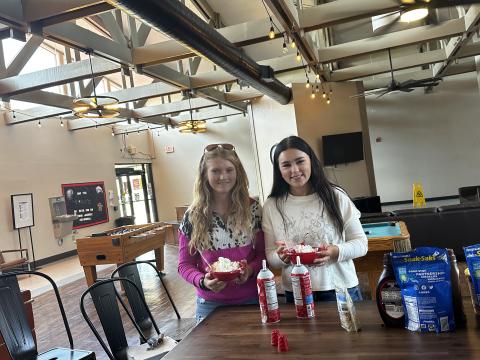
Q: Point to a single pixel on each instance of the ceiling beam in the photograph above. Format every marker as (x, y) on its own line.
(23, 56)
(46, 98)
(207, 114)
(55, 8)
(173, 107)
(341, 11)
(380, 67)
(472, 18)
(55, 76)
(416, 35)
(113, 28)
(78, 37)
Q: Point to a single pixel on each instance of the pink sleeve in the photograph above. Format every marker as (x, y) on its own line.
(188, 263)
(256, 263)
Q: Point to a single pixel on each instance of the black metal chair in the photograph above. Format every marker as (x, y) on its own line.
(14, 326)
(104, 296)
(175, 328)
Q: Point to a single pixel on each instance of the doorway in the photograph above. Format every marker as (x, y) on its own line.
(136, 193)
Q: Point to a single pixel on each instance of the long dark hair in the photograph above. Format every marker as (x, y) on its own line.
(318, 180)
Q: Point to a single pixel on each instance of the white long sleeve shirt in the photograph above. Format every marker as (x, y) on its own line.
(307, 221)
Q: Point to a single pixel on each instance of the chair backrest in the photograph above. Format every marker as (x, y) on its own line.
(139, 312)
(130, 271)
(104, 297)
(14, 325)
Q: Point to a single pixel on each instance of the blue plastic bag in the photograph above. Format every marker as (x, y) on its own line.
(424, 279)
(472, 255)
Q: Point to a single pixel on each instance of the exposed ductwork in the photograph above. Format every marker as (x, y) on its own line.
(179, 22)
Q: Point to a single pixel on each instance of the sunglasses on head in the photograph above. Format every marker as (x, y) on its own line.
(212, 147)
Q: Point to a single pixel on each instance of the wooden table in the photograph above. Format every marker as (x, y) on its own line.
(372, 263)
(236, 333)
(115, 247)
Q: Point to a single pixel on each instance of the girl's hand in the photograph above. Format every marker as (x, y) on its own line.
(247, 271)
(281, 252)
(327, 254)
(213, 284)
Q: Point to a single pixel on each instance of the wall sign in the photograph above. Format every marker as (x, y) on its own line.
(87, 201)
(22, 210)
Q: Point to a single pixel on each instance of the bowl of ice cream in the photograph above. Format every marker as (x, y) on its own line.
(226, 270)
(307, 253)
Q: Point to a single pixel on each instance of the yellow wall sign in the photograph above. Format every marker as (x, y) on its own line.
(418, 195)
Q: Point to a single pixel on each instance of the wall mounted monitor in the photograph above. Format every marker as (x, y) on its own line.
(342, 148)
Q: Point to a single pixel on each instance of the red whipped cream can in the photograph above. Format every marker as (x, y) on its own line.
(267, 295)
(302, 291)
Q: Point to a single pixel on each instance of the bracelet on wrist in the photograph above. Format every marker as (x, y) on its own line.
(202, 284)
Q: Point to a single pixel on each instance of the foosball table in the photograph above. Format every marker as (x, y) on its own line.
(121, 245)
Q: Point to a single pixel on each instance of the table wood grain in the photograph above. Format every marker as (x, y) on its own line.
(237, 333)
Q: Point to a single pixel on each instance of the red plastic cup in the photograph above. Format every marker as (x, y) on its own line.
(274, 338)
(282, 343)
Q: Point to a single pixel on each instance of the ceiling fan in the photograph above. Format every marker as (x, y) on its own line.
(414, 10)
(405, 86)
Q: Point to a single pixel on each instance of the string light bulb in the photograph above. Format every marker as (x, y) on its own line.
(312, 95)
(285, 47)
(307, 84)
(293, 44)
(271, 33)
(317, 76)
(61, 123)
(298, 57)
(324, 95)
(113, 132)
(328, 101)
(39, 124)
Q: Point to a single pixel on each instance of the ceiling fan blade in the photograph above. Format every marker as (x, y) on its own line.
(368, 93)
(385, 29)
(385, 92)
(406, 89)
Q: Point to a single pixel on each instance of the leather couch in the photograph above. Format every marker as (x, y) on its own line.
(451, 226)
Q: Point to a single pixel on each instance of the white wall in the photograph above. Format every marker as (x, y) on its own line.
(38, 160)
(432, 138)
(271, 122)
(174, 173)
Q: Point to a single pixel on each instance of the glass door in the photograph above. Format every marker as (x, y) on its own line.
(135, 192)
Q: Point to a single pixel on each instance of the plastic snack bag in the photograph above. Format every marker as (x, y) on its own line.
(346, 310)
(424, 279)
(472, 256)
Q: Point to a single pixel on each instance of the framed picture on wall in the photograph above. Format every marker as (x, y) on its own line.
(22, 210)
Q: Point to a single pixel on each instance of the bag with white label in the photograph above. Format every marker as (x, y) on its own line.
(424, 279)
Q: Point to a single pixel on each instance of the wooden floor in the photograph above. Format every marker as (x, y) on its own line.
(49, 325)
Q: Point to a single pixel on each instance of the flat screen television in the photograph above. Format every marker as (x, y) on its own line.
(342, 148)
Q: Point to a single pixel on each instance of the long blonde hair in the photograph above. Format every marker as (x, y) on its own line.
(201, 208)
